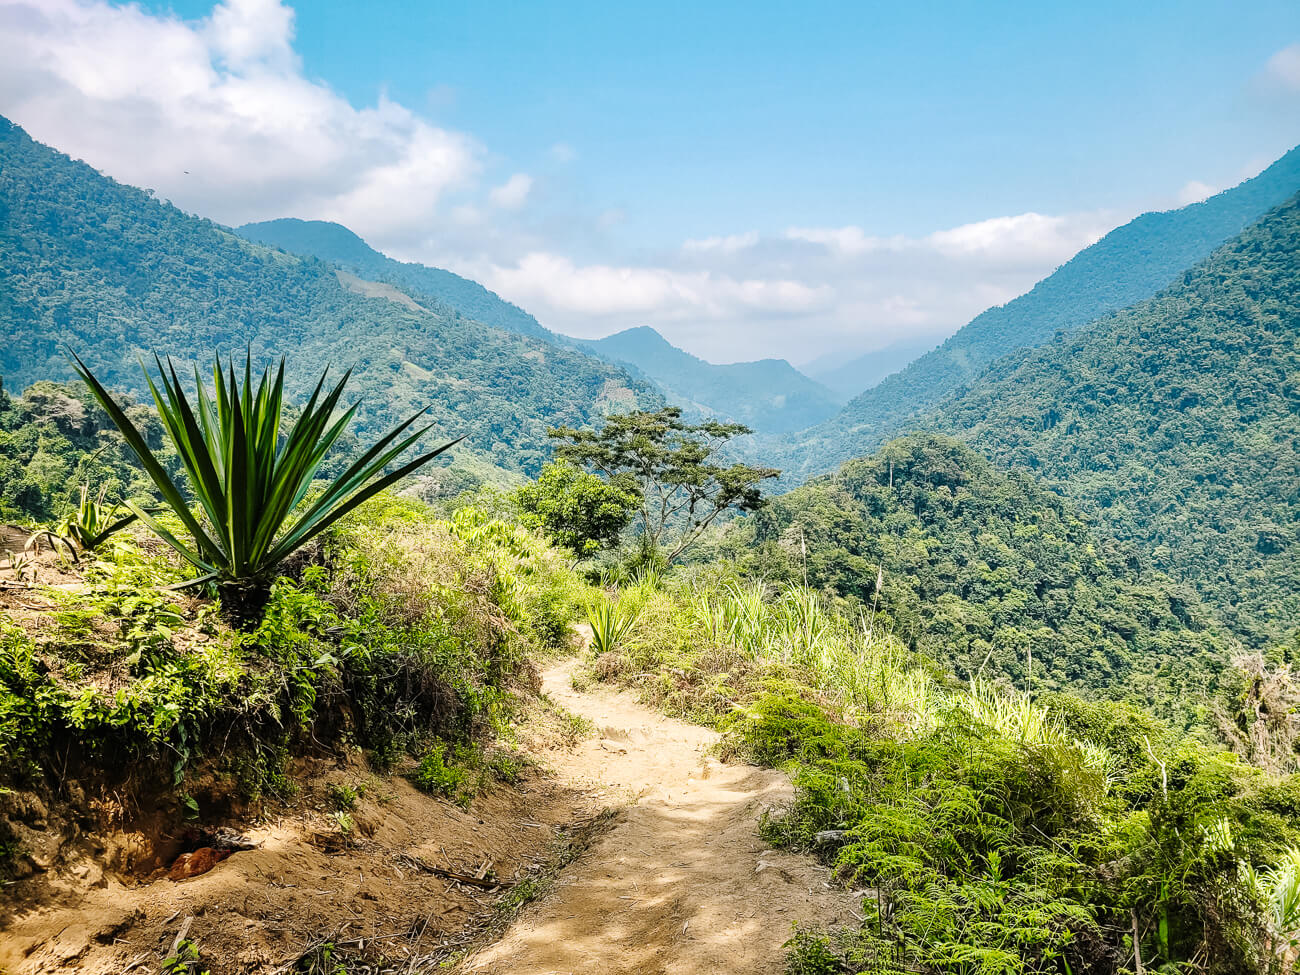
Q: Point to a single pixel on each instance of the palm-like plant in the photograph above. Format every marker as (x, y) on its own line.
(609, 624)
(249, 482)
(95, 520)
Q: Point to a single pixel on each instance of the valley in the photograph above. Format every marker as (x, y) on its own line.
(357, 619)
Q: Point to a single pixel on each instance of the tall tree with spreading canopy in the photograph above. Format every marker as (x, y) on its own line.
(672, 466)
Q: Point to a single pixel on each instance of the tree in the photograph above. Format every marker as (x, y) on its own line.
(672, 468)
(577, 509)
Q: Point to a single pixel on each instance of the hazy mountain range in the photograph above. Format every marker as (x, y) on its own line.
(1169, 417)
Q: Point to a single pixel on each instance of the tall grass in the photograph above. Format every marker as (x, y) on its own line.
(870, 676)
(867, 672)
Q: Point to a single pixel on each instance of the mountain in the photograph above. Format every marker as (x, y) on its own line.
(1175, 425)
(848, 379)
(988, 572)
(1128, 265)
(107, 270)
(769, 395)
(337, 244)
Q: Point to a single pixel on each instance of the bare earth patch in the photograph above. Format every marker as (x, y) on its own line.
(255, 910)
(682, 883)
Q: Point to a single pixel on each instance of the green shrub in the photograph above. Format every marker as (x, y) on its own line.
(343, 797)
(811, 954)
(437, 777)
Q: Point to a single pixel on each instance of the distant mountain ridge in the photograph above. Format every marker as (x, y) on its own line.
(89, 263)
(860, 373)
(1128, 265)
(768, 395)
(337, 244)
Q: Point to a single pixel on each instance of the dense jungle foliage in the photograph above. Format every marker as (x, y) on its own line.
(53, 439)
(1175, 426)
(994, 831)
(1027, 747)
(109, 270)
(1128, 265)
(403, 634)
(989, 574)
(989, 831)
(338, 245)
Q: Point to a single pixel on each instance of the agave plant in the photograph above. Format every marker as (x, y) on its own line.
(94, 521)
(85, 530)
(610, 624)
(250, 482)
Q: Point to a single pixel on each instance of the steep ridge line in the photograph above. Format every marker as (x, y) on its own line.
(683, 883)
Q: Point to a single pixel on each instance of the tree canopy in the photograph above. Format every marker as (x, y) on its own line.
(576, 509)
(1175, 426)
(673, 468)
(990, 574)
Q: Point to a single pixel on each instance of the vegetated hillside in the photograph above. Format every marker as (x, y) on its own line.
(106, 269)
(337, 244)
(1175, 424)
(769, 395)
(985, 571)
(995, 831)
(53, 439)
(848, 379)
(1129, 264)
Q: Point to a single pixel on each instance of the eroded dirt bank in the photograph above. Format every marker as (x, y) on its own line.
(680, 883)
(304, 882)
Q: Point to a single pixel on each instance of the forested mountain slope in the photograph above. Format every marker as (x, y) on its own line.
(769, 395)
(337, 244)
(1128, 265)
(1175, 424)
(108, 270)
(986, 572)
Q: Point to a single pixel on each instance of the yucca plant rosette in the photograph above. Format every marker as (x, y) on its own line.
(251, 484)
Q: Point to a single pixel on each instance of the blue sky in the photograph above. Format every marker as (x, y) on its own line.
(698, 118)
(696, 156)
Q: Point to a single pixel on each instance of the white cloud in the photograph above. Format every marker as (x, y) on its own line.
(727, 245)
(1025, 239)
(252, 33)
(843, 241)
(1194, 191)
(798, 293)
(599, 290)
(562, 152)
(1282, 70)
(511, 194)
(217, 116)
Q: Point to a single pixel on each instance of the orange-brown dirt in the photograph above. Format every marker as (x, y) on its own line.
(255, 910)
(681, 883)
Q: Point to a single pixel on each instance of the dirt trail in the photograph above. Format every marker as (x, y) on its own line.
(683, 883)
